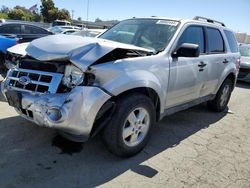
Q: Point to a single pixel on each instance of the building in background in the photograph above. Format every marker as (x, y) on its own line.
(243, 38)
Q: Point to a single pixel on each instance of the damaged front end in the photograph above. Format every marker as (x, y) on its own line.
(53, 86)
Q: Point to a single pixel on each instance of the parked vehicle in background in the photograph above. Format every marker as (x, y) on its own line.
(25, 32)
(125, 80)
(61, 29)
(60, 23)
(69, 31)
(5, 43)
(89, 32)
(244, 74)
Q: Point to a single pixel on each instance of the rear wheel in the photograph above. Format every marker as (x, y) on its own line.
(130, 126)
(222, 97)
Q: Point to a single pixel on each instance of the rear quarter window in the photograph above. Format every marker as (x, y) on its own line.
(232, 41)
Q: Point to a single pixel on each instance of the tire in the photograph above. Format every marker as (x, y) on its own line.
(220, 102)
(124, 138)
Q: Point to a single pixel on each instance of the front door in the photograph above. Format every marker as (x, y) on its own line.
(186, 73)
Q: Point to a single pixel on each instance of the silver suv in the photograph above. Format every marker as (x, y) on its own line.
(124, 81)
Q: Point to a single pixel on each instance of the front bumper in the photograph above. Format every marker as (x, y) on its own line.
(73, 113)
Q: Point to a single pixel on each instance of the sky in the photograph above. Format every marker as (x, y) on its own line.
(234, 13)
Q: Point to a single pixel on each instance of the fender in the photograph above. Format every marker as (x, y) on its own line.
(123, 81)
(226, 72)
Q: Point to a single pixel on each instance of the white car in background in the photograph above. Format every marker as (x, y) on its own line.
(61, 29)
(244, 73)
(89, 32)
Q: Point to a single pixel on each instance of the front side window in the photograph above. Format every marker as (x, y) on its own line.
(193, 35)
(153, 34)
(215, 41)
(10, 29)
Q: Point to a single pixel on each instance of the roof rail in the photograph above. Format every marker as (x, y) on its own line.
(209, 20)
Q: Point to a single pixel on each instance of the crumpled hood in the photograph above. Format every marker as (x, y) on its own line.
(19, 49)
(82, 51)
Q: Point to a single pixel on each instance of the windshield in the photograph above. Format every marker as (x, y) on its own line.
(153, 34)
(245, 51)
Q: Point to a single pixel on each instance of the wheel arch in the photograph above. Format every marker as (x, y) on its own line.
(107, 109)
(232, 76)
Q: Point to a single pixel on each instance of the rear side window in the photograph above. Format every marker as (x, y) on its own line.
(34, 30)
(232, 41)
(193, 35)
(215, 41)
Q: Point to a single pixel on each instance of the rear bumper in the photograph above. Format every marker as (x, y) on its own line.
(73, 113)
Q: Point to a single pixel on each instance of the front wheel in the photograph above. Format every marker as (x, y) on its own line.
(130, 127)
(222, 97)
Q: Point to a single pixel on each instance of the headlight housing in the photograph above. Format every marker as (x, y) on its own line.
(73, 76)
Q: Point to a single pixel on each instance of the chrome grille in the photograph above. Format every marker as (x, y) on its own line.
(38, 81)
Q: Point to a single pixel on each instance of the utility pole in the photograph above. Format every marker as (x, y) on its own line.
(72, 14)
(87, 13)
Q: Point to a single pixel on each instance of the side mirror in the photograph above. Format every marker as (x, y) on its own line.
(187, 50)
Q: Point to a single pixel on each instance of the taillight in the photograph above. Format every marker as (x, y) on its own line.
(238, 64)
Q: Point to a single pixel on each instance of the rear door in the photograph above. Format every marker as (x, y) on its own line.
(30, 33)
(218, 58)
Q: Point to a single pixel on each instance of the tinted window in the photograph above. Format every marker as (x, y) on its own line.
(194, 35)
(232, 41)
(215, 41)
(10, 29)
(34, 30)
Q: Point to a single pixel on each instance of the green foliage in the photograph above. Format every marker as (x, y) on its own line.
(51, 13)
(20, 13)
(48, 13)
(48, 10)
(3, 15)
(63, 14)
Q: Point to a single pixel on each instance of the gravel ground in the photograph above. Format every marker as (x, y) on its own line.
(193, 148)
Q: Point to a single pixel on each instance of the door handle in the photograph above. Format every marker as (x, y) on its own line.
(202, 64)
(225, 61)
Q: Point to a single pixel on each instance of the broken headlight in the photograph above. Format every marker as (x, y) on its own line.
(73, 76)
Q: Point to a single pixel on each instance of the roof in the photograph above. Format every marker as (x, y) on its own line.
(19, 23)
(195, 20)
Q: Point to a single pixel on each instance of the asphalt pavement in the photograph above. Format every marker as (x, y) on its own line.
(192, 148)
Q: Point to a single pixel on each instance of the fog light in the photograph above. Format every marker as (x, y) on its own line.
(54, 114)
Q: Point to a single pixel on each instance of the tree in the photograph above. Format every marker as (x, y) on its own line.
(79, 19)
(98, 20)
(20, 13)
(4, 9)
(48, 10)
(63, 14)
